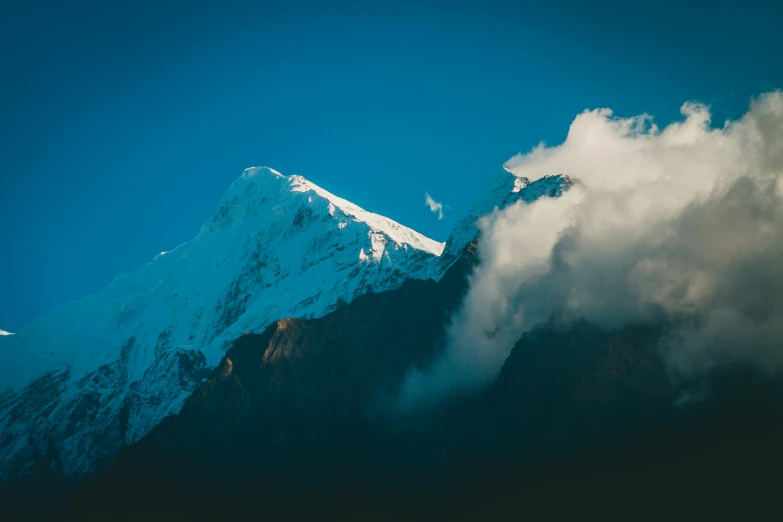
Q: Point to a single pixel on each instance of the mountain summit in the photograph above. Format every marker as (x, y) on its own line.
(83, 381)
(261, 185)
(99, 373)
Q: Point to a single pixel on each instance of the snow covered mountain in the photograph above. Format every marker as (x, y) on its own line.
(93, 375)
(81, 382)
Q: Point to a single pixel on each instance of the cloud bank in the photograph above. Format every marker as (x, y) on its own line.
(682, 224)
(434, 205)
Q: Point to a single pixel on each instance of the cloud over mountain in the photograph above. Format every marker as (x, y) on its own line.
(682, 225)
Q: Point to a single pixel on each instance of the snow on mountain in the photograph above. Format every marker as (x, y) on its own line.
(81, 382)
(504, 189)
(96, 374)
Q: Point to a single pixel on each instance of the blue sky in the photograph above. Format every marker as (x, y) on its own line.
(122, 126)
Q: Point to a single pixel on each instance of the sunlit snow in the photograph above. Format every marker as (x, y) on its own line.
(277, 246)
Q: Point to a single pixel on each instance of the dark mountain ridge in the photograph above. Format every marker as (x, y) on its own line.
(294, 424)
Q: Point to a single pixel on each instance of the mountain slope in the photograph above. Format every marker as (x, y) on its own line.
(97, 374)
(92, 376)
(503, 190)
(291, 406)
(293, 425)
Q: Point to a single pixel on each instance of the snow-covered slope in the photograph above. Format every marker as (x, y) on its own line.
(96, 374)
(503, 190)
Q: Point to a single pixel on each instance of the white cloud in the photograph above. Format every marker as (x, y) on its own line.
(434, 205)
(682, 224)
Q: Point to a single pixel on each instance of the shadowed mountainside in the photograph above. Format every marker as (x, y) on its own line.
(295, 423)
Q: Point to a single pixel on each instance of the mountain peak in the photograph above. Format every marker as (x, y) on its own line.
(277, 246)
(97, 374)
(264, 187)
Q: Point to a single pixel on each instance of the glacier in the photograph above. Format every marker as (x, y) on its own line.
(92, 376)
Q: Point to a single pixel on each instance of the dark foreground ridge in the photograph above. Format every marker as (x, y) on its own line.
(295, 424)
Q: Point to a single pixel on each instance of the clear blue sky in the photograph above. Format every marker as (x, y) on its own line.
(121, 127)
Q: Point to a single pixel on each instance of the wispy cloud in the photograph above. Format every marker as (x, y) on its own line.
(434, 205)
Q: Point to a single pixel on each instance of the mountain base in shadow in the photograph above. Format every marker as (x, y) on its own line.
(295, 424)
